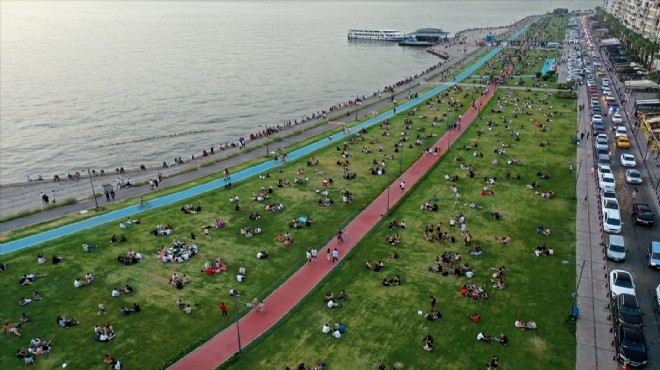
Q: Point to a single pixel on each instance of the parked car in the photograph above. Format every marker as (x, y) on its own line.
(654, 254)
(616, 248)
(657, 294)
(633, 177)
(642, 214)
(621, 282)
(628, 160)
(630, 346)
(612, 222)
(607, 181)
(626, 311)
(610, 204)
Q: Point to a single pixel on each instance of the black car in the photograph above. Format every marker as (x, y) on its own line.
(642, 214)
(630, 346)
(626, 310)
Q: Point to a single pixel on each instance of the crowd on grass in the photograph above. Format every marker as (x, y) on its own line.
(448, 264)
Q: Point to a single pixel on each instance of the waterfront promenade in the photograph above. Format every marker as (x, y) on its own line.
(15, 198)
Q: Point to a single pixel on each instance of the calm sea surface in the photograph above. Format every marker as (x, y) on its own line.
(76, 75)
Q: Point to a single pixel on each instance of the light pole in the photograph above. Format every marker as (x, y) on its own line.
(389, 183)
(575, 311)
(93, 192)
(401, 159)
(266, 129)
(238, 329)
(356, 107)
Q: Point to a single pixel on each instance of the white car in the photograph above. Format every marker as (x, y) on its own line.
(601, 142)
(597, 118)
(603, 168)
(657, 294)
(606, 90)
(612, 222)
(608, 194)
(633, 177)
(606, 181)
(610, 204)
(617, 118)
(628, 160)
(621, 131)
(621, 282)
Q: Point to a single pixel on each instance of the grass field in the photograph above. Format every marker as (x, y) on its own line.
(383, 325)
(160, 332)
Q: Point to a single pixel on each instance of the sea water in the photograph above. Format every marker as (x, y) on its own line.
(170, 78)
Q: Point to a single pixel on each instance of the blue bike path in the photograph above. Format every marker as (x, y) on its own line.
(124, 213)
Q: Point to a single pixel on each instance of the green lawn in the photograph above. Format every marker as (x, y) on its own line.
(160, 332)
(383, 323)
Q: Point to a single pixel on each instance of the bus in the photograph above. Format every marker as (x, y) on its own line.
(647, 106)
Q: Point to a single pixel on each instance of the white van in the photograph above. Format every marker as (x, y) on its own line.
(612, 222)
(616, 249)
(621, 131)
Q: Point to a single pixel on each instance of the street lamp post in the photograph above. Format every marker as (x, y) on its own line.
(266, 129)
(93, 192)
(574, 310)
(238, 329)
(401, 159)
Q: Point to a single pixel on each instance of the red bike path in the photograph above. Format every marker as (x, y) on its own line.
(225, 344)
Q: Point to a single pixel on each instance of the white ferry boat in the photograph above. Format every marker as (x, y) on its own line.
(383, 35)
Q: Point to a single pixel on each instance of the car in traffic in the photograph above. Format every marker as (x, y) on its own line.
(621, 132)
(626, 311)
(601, 142)
(630, 346)
(612, 222)
(628, 160)
(621, 282)
(642, 214)
(657, 294)
(622, 142)
(633, 177)
(607, 181)
(653, 255)
(616, 248)
(597, 118)
(617, 118)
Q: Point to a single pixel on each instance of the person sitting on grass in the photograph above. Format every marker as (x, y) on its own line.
(63, 322)
(36, 296)
(180, 304)
(28, 279)
(23, 301)
(57, 259)
(503, 340)
(333, 304)
(336, 334)
(393, 256)
(136, 308)
(40, 258)
(326, 329)
(386, 282)
(475, 318)
(262, 255)
(504, 239)
(428, 343)
(498, 283)
(477, 251)
(128, 289)
(88, 247)
(24, 318)
(329, 296)
(115, 293)
(11, 328)
(342, 295)
(124, 311)
(433, 315)
(483, 337)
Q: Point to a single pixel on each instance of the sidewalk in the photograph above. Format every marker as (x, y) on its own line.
(225, 344)
(594, 349)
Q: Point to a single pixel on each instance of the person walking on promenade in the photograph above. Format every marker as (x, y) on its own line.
(223, 309)
(112, 195)
(107, 196)
(344, 236)
(227, 177)
(339, 236)
(335, 256)
(402, 185)
(329, 254)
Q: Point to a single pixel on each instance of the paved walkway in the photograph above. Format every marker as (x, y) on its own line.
(594, 350)
(225, 344)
